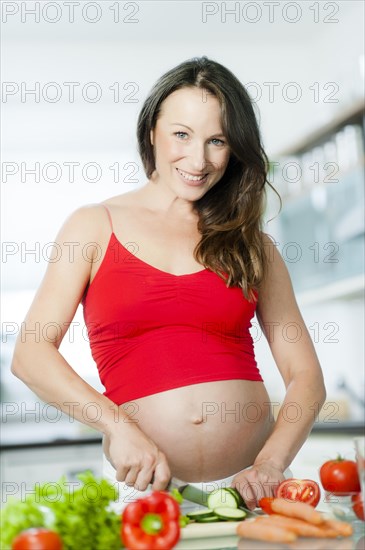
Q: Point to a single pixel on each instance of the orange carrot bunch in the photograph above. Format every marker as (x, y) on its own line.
(289, 520)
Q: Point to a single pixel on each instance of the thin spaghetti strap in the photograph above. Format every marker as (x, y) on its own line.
(109, 216)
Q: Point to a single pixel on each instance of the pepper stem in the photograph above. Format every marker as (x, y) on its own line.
(151, 524)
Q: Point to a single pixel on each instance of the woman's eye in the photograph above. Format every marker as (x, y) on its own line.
(217, 141)
(181, 135)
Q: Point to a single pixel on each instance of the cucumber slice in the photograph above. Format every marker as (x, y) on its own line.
(200, 514)
(237, 495)
(227, 513)
(210, 519)
(222, 497)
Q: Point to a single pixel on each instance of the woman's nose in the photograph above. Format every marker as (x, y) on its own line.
(198, 158)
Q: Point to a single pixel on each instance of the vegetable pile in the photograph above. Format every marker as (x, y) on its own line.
(58, 516)
(80, 516)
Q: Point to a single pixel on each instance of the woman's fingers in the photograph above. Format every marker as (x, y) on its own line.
(121, 472)
(138, 461)
(144, 478)
(131, 477)
(250, 495)
(157, 473)
(162, 474)
(257, 482)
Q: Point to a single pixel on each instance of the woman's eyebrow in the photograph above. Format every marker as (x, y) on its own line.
(218, 134)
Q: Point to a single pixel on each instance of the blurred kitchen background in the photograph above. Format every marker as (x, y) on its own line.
(71, 96)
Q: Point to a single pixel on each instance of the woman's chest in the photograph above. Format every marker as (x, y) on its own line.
(167, 246)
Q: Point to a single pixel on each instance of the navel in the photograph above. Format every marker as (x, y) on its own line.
(198, 420)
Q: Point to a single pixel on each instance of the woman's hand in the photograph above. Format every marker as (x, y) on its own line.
(137, 459)
(257, 482)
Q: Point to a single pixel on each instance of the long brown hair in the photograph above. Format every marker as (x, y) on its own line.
(231, 212)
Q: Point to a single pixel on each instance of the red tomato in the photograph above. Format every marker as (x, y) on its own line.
(302, 490)
(340, 476)
(358, 506)
(37, 539)
(265, 504)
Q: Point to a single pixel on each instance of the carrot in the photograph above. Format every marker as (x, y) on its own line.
(299, 510)
(260, 530)
(303, 528)
(342, 527)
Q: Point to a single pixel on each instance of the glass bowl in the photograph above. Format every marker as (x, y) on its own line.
(340, 505)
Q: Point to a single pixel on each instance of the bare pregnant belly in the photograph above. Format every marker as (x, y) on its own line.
(207, 431)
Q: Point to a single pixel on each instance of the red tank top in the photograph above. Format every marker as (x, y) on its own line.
(152, 331)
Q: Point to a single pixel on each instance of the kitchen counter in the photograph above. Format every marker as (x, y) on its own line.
(16, 434)
(46, 444)
(348, 427)
(66, 431)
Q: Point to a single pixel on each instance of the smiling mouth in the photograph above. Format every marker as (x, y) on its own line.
(191, 177)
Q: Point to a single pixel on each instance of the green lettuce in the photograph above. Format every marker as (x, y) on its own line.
(80, 514)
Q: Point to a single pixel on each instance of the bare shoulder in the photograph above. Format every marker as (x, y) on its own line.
(277, 283)
(87, 222)
(92, 222)
(275, 261)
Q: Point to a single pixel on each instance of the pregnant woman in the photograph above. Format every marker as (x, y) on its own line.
(179, 268)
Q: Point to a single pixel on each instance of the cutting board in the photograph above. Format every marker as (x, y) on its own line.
(208, 536)
(204, 530)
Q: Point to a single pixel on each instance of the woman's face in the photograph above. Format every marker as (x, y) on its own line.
(191, 152)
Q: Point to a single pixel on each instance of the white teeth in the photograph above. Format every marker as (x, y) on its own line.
(190, 177)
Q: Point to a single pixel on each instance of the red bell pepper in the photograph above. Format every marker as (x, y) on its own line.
(151, 523)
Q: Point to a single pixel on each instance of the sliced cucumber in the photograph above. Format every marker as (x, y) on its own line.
(237, 495)
(200, 514)
(222, 498)
(233, 514)
(210, 519)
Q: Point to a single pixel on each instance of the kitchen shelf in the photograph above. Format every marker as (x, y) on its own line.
(322, 216)
(347, 116)
(303, 192)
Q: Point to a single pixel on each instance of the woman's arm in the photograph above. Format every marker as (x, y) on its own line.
(296, 359)
(41, 366)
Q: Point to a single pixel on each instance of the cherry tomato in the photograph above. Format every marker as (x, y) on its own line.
(358, 506)
(340, 476)
(265, 504)
(37, 539)
(302, 490)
